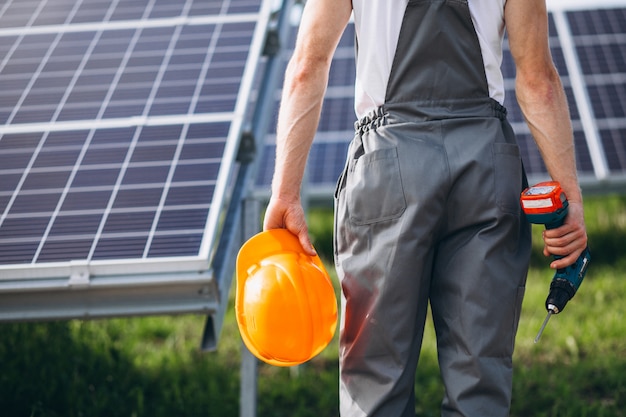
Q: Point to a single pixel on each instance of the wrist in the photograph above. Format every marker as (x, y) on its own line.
(286, 197)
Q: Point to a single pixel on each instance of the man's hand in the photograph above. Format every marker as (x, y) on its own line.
(282, 214)
(569, 240)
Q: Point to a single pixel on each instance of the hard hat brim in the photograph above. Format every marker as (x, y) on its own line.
(267, 243)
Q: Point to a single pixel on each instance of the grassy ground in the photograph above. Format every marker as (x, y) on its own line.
(152, 366)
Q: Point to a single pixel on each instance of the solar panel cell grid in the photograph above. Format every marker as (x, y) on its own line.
(24, 227)
(174, 245)
(90, 200)
(338, 115)
(266, 167)
(342, 72)
(57, 251)
(91, 11)
(597, 22)
(600, 37)
(82, 81)
(8, 183)
(13, 251)
(602, 58)
(24, 13)
(332, 154)
(615, 146)
(609, 101)
(76, 224)
(123, 247)
(584, 164)
(191, 195)
(110, 186)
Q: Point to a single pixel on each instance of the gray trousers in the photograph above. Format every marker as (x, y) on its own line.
(428, 211)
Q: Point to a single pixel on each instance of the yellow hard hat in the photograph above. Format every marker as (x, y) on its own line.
(285, 302)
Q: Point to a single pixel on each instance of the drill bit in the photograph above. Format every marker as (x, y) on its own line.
(543, 326)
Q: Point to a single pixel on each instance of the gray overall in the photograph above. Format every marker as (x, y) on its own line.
(427, 209)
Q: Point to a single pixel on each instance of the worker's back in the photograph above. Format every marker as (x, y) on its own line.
(378, 26)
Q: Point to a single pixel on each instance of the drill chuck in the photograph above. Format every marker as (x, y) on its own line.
(561, 291)
(566, 282)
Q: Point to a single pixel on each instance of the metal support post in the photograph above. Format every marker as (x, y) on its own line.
(249, 364)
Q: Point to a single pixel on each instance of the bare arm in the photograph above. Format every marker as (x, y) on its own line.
(544, 105)
(323, 22)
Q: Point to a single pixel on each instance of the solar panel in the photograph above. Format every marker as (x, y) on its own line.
(119, 127)
(600, 38)
(588, 45)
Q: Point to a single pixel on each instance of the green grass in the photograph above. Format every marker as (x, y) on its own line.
(152, 366)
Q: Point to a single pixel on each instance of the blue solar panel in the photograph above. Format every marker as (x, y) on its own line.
(124, 73)
(600, 37)
(118, 123)
(26, 13)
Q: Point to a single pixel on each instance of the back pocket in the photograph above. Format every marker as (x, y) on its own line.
(374, 189)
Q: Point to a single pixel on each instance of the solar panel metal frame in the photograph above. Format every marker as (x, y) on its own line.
(103, 288)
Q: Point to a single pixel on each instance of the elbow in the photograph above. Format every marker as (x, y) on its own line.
(306, 72)
(539, 85)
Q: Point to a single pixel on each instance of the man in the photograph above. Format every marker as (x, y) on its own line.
(427, 208)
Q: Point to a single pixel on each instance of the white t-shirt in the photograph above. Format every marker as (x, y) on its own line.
(376, 51)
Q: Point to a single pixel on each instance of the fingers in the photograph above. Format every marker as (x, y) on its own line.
(567, 241)
(563, 244)
(566, 260)
(295, 222)
(290, 216)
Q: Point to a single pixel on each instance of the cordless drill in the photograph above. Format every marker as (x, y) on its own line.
(546, 203)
